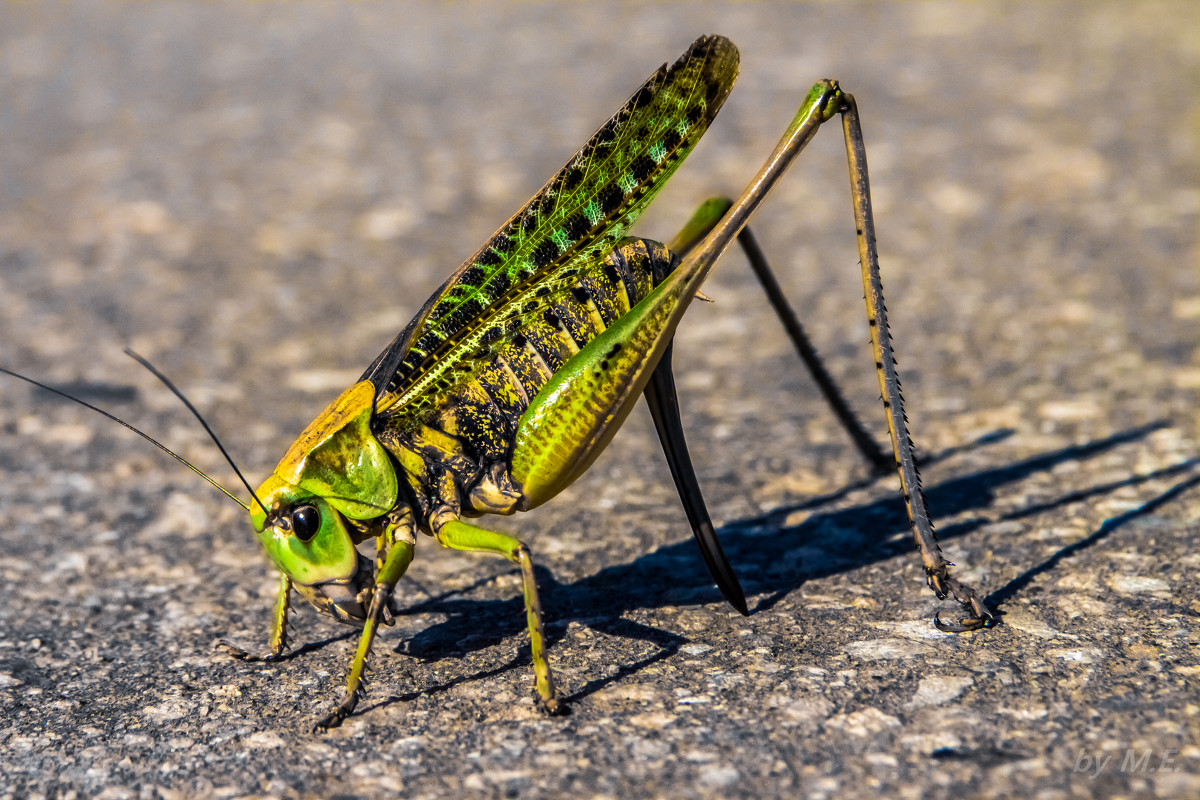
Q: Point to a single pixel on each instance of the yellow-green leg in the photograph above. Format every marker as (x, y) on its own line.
(399, 544)
(278, 642)
(458, 535)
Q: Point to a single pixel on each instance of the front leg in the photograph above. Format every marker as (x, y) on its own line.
(396, 546)
(278, 642)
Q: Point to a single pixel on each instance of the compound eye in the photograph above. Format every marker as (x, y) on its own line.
(306, 521)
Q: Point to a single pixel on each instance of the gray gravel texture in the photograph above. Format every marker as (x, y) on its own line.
(258, 197)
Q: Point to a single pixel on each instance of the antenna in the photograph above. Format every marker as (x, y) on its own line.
(167, 382)
(145, 436)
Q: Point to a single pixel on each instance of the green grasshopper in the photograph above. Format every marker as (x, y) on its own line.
(520, 368)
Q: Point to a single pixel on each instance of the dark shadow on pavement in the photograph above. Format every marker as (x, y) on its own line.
(772, 558)
(1010, 589)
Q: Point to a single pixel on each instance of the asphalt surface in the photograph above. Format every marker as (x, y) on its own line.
(258, 197)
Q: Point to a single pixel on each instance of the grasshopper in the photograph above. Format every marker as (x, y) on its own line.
(518, 371)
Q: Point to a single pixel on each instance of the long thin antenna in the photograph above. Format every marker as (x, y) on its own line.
(145, 436)
(167, 382)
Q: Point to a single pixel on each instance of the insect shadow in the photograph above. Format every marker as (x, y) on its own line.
(774, 559)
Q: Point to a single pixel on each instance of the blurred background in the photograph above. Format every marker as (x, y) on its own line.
(257, 197)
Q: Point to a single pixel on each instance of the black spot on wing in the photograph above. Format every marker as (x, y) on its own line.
(472, 276)
(713, 91)
(457, 319)
(573, 179)
(545, 253)
(576, 227)
(471, 309)
(642, 168)
(428, 342)
(500, 283)
(606, 137)
(671, 139)
(644, 95)
(611, 198)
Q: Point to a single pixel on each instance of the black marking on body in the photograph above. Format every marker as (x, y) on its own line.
(546, 344)
(487, 429)
(605, 296)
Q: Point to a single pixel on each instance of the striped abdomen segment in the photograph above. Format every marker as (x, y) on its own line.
(459, 457)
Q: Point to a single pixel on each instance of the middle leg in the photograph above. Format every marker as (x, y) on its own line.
(458, 535)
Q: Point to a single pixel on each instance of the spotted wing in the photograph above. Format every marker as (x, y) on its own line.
(573, 222)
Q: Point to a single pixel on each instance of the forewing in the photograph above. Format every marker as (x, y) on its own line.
(573, 222)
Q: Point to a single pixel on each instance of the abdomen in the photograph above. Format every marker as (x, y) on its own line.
(460, 456)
